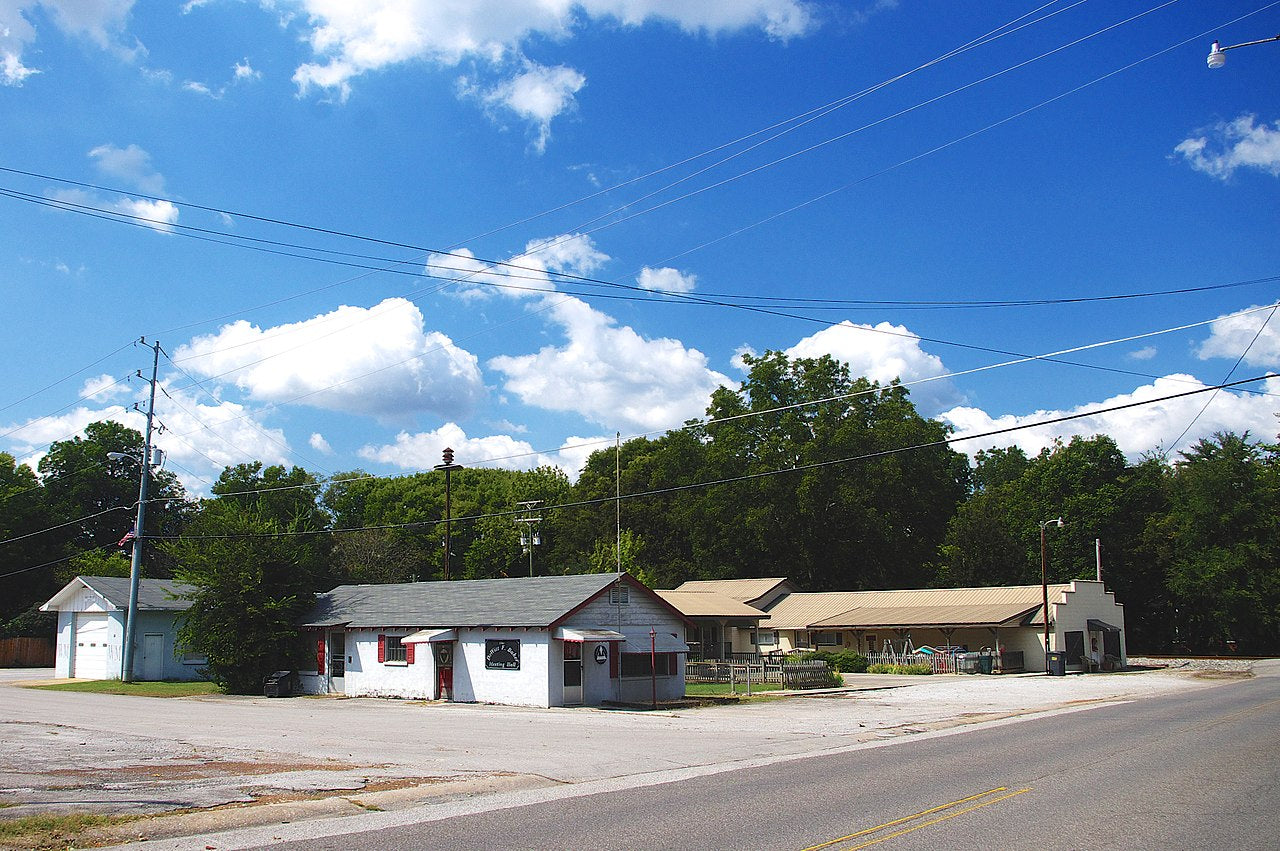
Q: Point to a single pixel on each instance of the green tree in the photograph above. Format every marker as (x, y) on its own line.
(1218, 545)
(254, 581)
(23, 516)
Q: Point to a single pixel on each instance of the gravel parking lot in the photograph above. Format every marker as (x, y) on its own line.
(242, 760)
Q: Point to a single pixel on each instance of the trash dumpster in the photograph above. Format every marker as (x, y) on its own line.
(281, 684)
(986, 662)
(1057, 663)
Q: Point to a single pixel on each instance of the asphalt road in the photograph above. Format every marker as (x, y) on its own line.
(1195, 770)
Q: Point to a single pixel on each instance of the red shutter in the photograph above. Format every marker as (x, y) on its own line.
(408, 653)
(615, 654)
(382, 648)
(320, 655)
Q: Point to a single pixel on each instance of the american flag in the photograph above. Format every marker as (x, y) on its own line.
(128, 537)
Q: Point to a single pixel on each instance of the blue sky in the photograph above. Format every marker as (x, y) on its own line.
(671, 184)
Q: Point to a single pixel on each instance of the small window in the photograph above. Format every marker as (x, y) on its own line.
(639, 664)
(191, 658)
(826, 639)
(619, 595)
(765, 638)
(396, 651)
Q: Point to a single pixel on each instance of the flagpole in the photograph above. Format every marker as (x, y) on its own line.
(135, 565)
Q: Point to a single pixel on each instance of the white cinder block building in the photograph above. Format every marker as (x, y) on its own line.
(91, 616)
(537, 641)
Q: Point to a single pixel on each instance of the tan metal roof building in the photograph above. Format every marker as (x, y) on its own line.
(933, 606)
(742, 590)
(707, 604)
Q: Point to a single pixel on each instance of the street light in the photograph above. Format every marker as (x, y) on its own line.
(1218, 53)
(448, 467)
(1044, 583)
(135, 563)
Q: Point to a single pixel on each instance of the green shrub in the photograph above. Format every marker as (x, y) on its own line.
(900, 669)
(848, 662)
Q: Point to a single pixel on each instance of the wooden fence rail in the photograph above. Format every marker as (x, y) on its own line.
(814, 674)
(26, 653)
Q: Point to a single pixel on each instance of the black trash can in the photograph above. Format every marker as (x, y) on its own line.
(281, 684)
(986, 662)
(1057, 663)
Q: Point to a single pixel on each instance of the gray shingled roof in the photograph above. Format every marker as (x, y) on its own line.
(536, 601)
(153, 594)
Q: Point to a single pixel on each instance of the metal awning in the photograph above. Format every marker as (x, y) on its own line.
(1101, 626)
(662, 642)
(588, 633)
(422, 636)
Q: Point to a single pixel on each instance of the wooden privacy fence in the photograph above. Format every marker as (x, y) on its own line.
(813, 674)
(26, 653)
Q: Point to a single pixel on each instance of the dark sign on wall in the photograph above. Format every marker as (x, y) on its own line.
(502, 654)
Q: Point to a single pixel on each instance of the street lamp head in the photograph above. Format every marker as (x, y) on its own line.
(121, 456)
(1217, 56)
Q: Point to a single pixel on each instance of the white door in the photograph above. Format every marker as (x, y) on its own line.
(337, 662)
(153, 656)
(572, 673)
(90, 654)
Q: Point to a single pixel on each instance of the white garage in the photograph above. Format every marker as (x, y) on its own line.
(91, 617)
(90, 659)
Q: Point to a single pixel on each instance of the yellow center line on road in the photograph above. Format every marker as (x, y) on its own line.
(921, 814)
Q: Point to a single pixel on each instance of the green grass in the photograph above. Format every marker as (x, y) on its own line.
(704, 689)
(50, 831)
(159, 689)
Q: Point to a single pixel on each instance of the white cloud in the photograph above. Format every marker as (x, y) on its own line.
(1232, 334)
(101, 22)
(738, 361)
(1144, 353)
(243, 71)
(104, 387)
(1230, 145)
(201, 89)
(200, 436)
(319, 444)
(667, 280)
(883, 353)
(351, 39)
(131, 164)
(157, 215)
(422, 451)
(611, 375)
(378, 361)
(537, 95)
(522, 276)
(1135, 430)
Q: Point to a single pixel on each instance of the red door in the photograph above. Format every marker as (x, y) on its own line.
(445, 682)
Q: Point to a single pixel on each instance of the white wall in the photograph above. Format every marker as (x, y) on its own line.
(640, 614)
(171, 667)
(367, 677)
(529, 686)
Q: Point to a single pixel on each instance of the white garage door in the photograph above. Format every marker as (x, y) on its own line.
(91, 646)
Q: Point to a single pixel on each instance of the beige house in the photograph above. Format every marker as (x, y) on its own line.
(726, 614)
(1086, 623)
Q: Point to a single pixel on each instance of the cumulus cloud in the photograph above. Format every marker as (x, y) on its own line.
(611, 375)
(882, 353)
(525, 275)
(351, 39)
(378, 361)
(244, 72)
(157, 215)
(101, 22)
(1135, 430)
(738, 361)
(103, 387)
(1233, 334)
(422, 451)
(1144, 353)
(1227, 146)
(200, 438)
(537, 95)
(131, 164)
(319, 444)
(667, 280)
